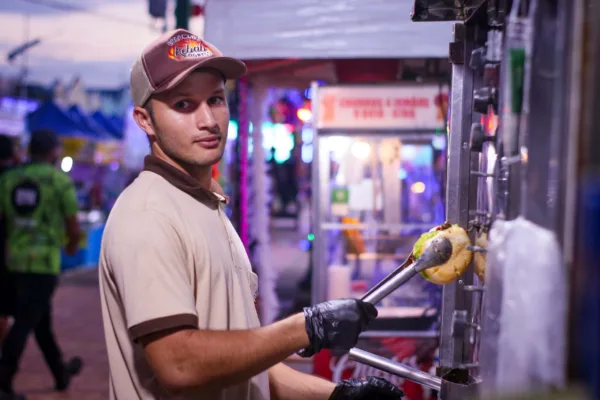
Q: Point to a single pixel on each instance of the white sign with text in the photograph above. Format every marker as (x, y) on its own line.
(415, 106)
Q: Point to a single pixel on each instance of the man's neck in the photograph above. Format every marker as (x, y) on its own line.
(201, 174)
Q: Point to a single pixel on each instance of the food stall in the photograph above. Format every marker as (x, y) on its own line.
(289, 47)
(375, 190)
(519, 322)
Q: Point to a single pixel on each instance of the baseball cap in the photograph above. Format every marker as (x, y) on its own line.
(165, 62)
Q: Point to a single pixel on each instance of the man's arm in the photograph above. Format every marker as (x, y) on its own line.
(288, 384)
(188, 358)
(73, 234)
(148, 262)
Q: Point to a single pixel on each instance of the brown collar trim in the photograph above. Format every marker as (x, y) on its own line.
(185, 182)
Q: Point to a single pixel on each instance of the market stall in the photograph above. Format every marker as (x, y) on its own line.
(375, 191)
(525, 188)
(92, 157)
(289, 47)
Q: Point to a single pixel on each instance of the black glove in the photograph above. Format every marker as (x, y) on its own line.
(336, 324)
(366, 389)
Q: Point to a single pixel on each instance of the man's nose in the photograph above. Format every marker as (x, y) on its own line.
(205, 118)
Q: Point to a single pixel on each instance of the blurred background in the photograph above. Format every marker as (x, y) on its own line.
(66, 68)
(336, 157)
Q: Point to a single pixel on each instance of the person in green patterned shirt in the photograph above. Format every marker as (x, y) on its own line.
(39, 206)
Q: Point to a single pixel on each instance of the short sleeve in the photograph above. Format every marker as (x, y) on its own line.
(148, 262)
(68, 197)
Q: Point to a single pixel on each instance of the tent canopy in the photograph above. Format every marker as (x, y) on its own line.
(110, 124)
(88, 123)
(51, 116)
(323, 29)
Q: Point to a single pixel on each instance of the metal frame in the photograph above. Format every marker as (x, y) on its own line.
(455, 351)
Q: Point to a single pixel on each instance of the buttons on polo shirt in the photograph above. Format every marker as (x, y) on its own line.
(231, 245)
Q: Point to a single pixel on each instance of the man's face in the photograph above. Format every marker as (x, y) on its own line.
(190, 121)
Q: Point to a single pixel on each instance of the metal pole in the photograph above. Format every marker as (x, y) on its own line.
(243, 137)
(455, 350)
(182, 14)
(319, 208)
(25, 59)
(397, 369)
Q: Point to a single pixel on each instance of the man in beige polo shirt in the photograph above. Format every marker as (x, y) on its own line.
(177, 287)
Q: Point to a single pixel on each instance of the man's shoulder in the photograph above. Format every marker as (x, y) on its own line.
(147, 196)
(35, 171)
(148, 190)
(60, 177)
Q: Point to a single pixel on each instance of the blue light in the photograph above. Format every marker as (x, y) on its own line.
(307, 134)
(308, 93)
(439, 142)
(307, 153)
(402, 174)
(232, 131)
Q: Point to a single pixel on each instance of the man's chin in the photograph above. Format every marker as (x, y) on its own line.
(206, 161)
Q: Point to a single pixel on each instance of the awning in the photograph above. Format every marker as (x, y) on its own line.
(322, 29)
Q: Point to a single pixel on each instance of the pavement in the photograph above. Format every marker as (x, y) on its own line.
(78, 326)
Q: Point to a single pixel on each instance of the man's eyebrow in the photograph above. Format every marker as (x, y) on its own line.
(187, 93)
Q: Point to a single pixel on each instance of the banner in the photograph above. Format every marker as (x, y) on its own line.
(398, 107)
(416, 353)
(79, 149)
(109, 152)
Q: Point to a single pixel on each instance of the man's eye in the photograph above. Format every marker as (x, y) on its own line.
(183, 105)
(216, 100)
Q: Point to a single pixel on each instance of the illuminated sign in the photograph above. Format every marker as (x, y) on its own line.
(382, 107)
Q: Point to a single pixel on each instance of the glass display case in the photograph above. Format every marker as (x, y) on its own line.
(378, 184)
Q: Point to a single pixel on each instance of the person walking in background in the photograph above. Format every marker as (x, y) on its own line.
(37, 202)
(7, 160)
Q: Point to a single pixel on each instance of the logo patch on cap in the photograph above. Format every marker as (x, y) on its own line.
(186, 46)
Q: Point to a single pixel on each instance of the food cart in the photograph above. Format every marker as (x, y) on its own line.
(523, 181)
(376, 188)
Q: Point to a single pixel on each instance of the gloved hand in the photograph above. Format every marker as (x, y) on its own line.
(366, 389)
(336, 324)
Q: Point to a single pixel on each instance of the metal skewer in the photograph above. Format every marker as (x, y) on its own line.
(437, 253)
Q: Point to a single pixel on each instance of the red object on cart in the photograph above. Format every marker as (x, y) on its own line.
(404, 350)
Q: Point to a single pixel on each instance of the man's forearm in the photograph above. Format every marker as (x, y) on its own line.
(216, 359)
(288, 384)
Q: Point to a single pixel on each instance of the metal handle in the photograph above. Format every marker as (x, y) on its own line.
(390, 285)
(437, 253)
(397, 369)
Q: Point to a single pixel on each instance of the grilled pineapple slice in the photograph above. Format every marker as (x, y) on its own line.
(459, 260)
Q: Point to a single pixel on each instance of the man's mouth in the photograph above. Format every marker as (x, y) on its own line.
(209, 142)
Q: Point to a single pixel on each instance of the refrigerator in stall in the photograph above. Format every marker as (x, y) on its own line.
(379, 155)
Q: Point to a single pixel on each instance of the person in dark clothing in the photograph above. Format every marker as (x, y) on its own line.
(37, 202)
(7, 160)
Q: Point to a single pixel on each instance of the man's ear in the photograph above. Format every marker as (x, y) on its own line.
(144, 121)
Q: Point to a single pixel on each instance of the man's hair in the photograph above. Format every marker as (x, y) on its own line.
(42, 143)
(149, 109)
(6, 148)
